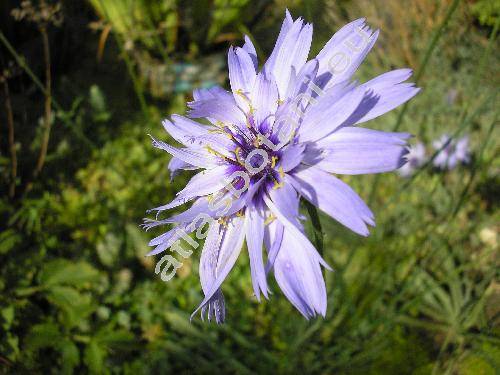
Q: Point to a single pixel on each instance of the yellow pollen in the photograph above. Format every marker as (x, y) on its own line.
(223, 221)
(274, 159)
(281, 172)
(213, 152)
(237, 155)
(269, 219)
(251, 108)
(277, 185)
(216, 153)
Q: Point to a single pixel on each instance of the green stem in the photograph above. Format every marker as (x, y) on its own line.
(12, 144)
(318, 232)
(48, 104)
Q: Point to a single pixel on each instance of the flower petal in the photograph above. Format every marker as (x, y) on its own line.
(320, 124)
(230, 248)
(208, 263)
(184, 130)
(285, 27)
(334, 197)
(250, 49)
(288, 202)
(225, 111)
(331, 47)
(193, 157)
(345, 51)
(279, 211)
(164, 241)
(215, 92)
(383, 94)
(273, 235)
(292, 156)
(206, 182)
(241, 76)
(299, 276)
(175, 165)
(200, 206)
(291, 52)
(254, 225)
(264, 98)
(352, 150)
(300, 83)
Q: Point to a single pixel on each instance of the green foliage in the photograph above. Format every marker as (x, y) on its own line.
(487, 11)
(77, 294)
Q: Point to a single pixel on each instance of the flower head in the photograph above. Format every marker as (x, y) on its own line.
(280, 134)
(453, 151)
(415, 158)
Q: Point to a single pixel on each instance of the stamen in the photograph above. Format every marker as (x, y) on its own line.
(223, 221)
(217, 153)
(214, 152)
(277, 185)
(242, 94)
(237, 155)
(270, 219)
(274, 159)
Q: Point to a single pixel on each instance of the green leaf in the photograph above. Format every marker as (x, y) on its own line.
(98, 104)
(62, 271)
(94, 357)
(42, 336)
(70, 356)
(8, 240)
(74, 305)
(114, 339)
(7, 315)
(109, 249)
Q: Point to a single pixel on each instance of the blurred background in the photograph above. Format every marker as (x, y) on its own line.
(82, 83)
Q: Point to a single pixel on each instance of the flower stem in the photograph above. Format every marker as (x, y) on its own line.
(12, 145)
(316, 223)
(48, 104)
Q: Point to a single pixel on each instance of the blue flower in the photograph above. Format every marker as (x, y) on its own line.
(415, 158)
(282, 133)
(452, 151)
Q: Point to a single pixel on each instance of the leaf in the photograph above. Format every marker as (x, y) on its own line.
(115, 339)
(7, 315)
(74, 305)
(8, 240)
(94, 357)
(109, 249)
(70, 356)
(42, 336)
(62, 271)
(98, 104)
